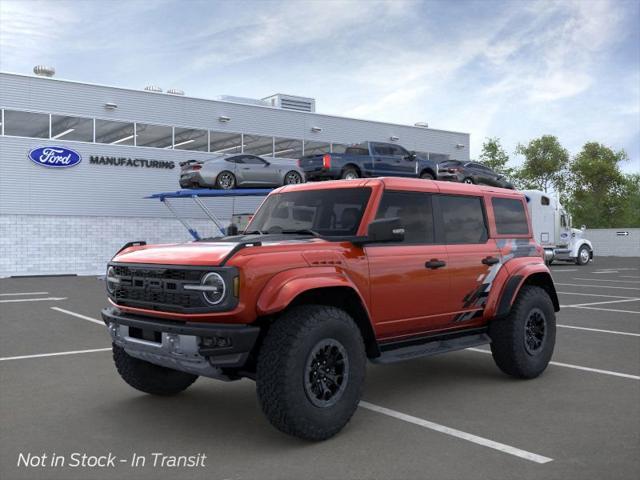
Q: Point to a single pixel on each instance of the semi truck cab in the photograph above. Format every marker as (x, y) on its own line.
(553, 230)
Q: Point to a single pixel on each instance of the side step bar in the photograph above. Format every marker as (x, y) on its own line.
(433, 345)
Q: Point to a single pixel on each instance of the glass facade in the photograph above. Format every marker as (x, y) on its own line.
(115, 132)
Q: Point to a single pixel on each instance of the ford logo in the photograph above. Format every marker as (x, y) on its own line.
(55, 157)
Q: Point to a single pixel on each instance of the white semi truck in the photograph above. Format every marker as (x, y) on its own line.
(553, 231)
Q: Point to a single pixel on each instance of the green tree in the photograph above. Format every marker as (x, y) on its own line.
(545, 164)
(600, 194)
(494, 156)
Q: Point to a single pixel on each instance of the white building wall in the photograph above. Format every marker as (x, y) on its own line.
(607, 242)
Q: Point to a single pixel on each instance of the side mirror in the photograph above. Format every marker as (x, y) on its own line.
(232, 230)
(411, 156)
(583, 228)
(385, 230)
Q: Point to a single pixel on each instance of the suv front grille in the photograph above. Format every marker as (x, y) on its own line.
(158, 288)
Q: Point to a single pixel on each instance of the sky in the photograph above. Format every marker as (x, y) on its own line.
(510, 69)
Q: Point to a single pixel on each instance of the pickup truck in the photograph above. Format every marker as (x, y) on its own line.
(368, 159)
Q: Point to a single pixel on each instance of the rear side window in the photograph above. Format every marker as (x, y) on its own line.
(511, 218)
(463, 219)
(414, 211)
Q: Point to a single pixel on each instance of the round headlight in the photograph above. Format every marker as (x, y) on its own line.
(214, 288)
(111, 280)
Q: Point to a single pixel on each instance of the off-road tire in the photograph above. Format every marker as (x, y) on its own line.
(219, 180)
(350, 173)
(508, 335)
(580, 259)
(150, 378)
(282, 370)
(427, 176)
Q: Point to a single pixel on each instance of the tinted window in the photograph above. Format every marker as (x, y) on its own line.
(510, 216)
(463, 219)
(544, 200)
(235, 159)
(335, 212)
(357, 151)
(382, 150)
(252, 160)
(398, 151)
(414, 211)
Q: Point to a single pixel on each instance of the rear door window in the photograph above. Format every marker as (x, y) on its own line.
(511, 218)
(463, 219)
(414, 211)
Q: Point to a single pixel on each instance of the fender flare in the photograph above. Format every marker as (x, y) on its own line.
(579, 244)
(284, 287)
(528, 275)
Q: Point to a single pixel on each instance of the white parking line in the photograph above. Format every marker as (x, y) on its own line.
(47, 299)
(23, 293)
(615, 332)
(56, 354)
(606, 271)
(607, 280)
(629, 276)
(591, 294)
(597, 286)
(73, 314)
(485, 442)
(611, 310)
(598, 303)
(577, 367)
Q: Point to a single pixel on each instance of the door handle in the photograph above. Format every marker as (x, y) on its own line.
(435, 263)
(490, 260)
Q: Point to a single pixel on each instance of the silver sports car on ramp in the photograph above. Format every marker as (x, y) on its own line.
(242, 170)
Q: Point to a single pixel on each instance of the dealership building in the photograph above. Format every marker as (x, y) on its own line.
(127, 145)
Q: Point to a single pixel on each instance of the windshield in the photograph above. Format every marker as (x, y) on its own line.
(335, 212)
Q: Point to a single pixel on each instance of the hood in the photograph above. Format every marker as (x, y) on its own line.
(197, 253)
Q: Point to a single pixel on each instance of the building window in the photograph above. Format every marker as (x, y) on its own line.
(258, 145)
(71, 128)
(225, 143)
(157, 136)
(26, 124)
(316, 148)
(114, 133)
(287, 148)
(191, 139)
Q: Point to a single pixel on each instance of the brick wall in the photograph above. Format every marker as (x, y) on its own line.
(50, 245)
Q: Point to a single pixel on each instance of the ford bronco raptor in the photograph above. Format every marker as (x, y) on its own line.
(325, 277)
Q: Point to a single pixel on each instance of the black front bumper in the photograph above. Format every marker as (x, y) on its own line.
(238, 343)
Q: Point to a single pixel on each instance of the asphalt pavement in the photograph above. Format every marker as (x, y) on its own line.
(453, 416)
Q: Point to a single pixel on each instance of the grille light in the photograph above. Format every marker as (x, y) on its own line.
(212, 287)
(112, 280)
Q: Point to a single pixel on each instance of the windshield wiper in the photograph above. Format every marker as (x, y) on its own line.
(302, 231)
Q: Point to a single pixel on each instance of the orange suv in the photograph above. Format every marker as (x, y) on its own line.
(326, 276)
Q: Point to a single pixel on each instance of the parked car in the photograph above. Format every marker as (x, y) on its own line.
(243, 170)
(471, 172)
(325, 277)
(368, 159)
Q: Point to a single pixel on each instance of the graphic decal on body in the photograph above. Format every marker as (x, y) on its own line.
(477, 298)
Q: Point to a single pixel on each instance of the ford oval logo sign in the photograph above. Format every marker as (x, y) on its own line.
(55, 157)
